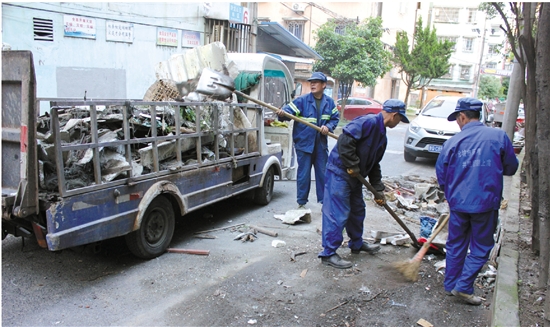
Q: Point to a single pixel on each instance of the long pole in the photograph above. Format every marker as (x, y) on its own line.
(478, 76)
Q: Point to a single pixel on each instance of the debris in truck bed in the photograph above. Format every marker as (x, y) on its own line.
(75, 128)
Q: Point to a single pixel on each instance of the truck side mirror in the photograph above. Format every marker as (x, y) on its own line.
(297, 91)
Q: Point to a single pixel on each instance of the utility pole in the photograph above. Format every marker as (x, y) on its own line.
(478, 76)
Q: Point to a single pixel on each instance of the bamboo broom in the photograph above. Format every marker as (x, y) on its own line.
(409, 268)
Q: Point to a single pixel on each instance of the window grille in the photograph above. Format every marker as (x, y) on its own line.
(446, 15)
(43, 29)
(297, 29)
(468, 44)
(465, 72)
(235, 37)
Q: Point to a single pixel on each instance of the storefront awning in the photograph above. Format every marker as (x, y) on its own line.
(281, 34)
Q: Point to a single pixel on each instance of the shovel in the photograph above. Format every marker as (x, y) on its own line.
(208, 84)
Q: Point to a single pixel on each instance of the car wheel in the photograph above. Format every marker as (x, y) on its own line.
(156, 230)
(408, 157)
(263, 195)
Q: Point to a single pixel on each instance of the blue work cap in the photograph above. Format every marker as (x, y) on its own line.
(396, 105)
(318, 76)
(464, 104)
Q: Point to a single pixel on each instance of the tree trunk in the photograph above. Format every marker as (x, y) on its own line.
(543, 135)
(515, 93)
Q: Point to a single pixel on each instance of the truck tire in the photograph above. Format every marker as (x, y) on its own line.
(156, 230)
(408, 157)
(263, 194)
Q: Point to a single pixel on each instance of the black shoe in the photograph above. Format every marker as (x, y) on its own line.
(337, 262)
(370, 248)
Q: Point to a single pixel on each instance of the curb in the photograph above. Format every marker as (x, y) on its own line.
(505, 309)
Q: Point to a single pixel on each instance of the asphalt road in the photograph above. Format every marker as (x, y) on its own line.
(238, 284)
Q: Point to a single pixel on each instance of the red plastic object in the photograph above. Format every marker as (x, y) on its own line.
(423, 240)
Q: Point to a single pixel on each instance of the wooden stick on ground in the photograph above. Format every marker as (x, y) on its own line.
(216, 229)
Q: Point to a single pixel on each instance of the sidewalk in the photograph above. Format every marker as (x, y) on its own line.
(505, 310)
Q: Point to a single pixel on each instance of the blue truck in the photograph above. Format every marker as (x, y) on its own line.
(91, 170)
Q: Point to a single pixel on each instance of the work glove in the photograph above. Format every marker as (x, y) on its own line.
(380, 200)
(353, 171)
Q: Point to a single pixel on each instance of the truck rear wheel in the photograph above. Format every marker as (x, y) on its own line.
(263, 194)
(156, 230)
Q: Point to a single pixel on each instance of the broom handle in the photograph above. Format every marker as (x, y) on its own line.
(439, 228)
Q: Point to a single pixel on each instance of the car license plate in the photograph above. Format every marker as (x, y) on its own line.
(434, 148)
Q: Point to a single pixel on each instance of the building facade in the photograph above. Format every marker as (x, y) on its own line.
(109, 50)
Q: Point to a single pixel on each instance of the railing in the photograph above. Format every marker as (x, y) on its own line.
(215, 121)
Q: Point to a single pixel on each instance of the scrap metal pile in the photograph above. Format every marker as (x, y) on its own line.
(75, 128)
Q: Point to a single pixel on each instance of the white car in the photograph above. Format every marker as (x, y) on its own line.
(427, 133)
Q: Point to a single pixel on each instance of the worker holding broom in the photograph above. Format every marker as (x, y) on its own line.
(358, 151)
(312, 146)
(470, 171)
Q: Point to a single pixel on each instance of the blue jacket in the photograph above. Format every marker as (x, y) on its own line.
(368, 134)
(471, 166)
(304, 107)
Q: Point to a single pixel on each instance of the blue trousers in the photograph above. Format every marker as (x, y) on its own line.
(343, 207)
(317, 159)
(468, 230)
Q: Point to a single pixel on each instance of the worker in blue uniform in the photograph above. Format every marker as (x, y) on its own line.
(470, 171)
(359, 150)
(312, 146)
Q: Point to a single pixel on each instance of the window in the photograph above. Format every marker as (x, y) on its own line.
(472, 15)
(297, 29)
(43, 29)
(276, 92)
(448, 38)
(465, 72)
(235, 37)
(446, 15)
(449, 74)
(495, 30)
(468, 44)
(340, 29)
(494, 49)
(491, 65)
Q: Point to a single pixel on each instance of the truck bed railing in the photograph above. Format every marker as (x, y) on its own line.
(222, 134)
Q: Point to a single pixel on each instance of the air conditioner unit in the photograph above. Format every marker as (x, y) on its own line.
(298, 7)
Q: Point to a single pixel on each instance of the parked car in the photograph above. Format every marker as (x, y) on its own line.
(359, 106)
(427, 133)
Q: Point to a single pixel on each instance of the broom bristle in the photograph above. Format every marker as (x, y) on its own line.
(409, 269)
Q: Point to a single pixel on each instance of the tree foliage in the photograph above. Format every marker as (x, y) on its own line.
(428, 58)
(489, 87)
(356, 55)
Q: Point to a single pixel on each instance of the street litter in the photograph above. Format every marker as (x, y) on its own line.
(248, 236)
(188, 251)
(278, 243)
(264, 231)
(293, 255)
(439, 265)
(303, 274)
(424, 323)
(291, 217)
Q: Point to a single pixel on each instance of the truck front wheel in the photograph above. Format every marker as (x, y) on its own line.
(156, 230)
(263, 194)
